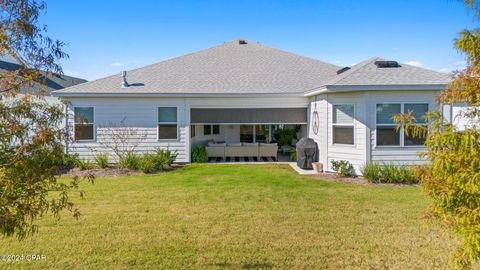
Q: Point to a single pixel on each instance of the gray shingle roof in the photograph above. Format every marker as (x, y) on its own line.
(252, 68)
(53, 82)
(227, 68)
(367, 73)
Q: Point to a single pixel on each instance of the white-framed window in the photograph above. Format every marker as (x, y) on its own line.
(211, 129)
(167, 123)
(84, 123)
(386, 132)
(343, 124)
(418, 111)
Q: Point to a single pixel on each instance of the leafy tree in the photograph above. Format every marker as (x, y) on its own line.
(31, 142)
(452, 175)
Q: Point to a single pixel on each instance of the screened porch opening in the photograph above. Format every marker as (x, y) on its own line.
(247, 135)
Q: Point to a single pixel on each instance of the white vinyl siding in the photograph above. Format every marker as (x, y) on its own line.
(329, 150)
(365, 147)
(140, 114)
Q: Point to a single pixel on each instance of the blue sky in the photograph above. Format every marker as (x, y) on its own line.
(105, 37)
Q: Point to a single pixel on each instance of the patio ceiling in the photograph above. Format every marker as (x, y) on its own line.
(249, 116)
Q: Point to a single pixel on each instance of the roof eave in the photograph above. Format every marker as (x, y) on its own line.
(130, 94)
(351, 88)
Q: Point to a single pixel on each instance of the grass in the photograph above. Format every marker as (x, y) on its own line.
(237, 216)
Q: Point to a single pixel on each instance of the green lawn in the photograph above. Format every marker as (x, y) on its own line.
(237, 216)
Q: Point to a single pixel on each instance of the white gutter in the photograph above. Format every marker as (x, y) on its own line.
(351, 88)
(130, 94)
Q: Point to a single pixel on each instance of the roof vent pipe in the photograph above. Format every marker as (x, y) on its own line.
(124, 81)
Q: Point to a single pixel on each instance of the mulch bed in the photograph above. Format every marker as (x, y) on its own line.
(331, 177)
(112, 172)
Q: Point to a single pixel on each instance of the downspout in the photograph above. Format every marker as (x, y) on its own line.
(326, 143)
(67, 129)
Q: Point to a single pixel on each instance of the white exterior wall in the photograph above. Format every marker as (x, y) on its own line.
(142, 113)
(355, 154)
(364, 149)
(455, 114)
(228, 134)
(139, 113)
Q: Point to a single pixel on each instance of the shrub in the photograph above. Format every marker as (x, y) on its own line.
(343, 168)
(372, 172)
(85, 164)
(69, 161)
(199, 154)
(285, 136)
(148, 163)
(164, 158)
(397, 174)
(129, 161)
(293, 156)
(389, 173)
(102, 160)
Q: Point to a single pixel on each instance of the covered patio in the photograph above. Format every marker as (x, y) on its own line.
(247, 134)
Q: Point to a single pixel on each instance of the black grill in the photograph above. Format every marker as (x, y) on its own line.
(307, 153)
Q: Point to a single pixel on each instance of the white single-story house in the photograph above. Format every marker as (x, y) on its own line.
(242, 91)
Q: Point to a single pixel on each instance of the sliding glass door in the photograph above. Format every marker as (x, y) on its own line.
(255, 133)
(262, 133)
(246, 133)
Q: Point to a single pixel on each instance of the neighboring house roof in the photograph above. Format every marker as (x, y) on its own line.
(229, 68)
(53, 82)
(244, 67)
(368, 76)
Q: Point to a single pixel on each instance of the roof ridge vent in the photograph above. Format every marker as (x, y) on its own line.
(386, 64)
(340, 71)
(242, 42)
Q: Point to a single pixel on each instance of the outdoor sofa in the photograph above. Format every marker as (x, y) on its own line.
(257, 150)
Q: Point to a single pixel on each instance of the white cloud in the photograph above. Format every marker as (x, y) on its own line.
(414, 63)
(353, 64)
(117, 64)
